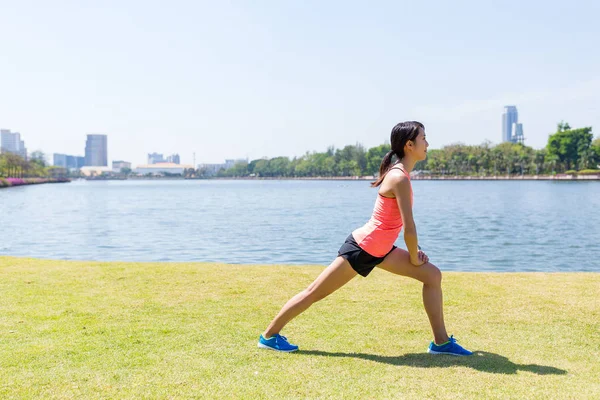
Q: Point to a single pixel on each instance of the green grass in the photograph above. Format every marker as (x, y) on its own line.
(189, 330)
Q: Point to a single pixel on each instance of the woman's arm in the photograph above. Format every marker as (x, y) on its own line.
(402, 191)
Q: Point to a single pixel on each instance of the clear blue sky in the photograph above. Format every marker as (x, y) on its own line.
(236, 79)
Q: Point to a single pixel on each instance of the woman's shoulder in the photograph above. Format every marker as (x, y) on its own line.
(396, 175)
(393, 183)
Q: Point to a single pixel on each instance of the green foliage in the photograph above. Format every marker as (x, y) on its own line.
(374, 157)
(563, 126)
(567, 149)
(13, 165)
(595, 147)
(589, 172)
(572, 146)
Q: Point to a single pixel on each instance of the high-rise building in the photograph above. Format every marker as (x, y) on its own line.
(60, 160)
(117, 166)
(231, 163)
(509, 117)
(70, 162)
(512, 130)
(96, 151)
(155, 158)
(174, 159)
(10, 142)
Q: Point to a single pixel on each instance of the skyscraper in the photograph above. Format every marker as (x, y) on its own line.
(96, 153)
(67, 161)
(10, 142)
(155, 158)
(174, 159)
(509, 117)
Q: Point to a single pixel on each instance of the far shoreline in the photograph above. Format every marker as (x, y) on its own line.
(426, 178)
(558, 177)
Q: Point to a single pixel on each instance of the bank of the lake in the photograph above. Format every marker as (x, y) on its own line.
(12, 182)
(558, 177)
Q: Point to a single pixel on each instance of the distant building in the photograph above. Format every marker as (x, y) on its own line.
(117, 166)
(213, 169)
(512, 130)
(96, 151)
(155, 158)
(210, 169)
(231, 163)
(174, 159)
(10, 142)
(95, 170)
(67, 161)
(517, 133)
(59, 160)
(161, 169)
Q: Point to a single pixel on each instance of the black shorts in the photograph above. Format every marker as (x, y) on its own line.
(361, 261)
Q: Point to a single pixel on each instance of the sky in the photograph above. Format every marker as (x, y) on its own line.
(252, 79)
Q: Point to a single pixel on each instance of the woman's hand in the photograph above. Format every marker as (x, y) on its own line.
(422, 259)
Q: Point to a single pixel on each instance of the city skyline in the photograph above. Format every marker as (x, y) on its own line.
(284, 79)
(512, 131)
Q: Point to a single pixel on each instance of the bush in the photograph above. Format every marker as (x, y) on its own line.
(3, 183)
(15, 181)
(589, 172)
(571, 172)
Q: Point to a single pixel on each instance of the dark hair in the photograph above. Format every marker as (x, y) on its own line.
(401, 133)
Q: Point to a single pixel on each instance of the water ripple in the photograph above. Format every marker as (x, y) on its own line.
(466, 226)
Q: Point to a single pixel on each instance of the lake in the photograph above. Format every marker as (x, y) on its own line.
(462, 225)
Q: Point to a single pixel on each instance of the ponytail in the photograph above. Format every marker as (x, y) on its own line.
(384, 168)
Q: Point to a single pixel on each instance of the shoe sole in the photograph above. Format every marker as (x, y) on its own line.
(450, 354)
(264, 346)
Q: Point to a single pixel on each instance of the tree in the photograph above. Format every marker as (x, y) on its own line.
(563, 126)
(374, 157)
(261, 167)
(596, 149)
(13, 165)
(38, 157)
(538, 159)
(569, 145)
(279, 166)
(187, 172)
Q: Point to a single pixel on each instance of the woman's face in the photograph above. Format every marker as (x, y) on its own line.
(420, 145)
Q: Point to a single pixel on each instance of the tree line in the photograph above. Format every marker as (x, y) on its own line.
(567, 150)
(15, 166)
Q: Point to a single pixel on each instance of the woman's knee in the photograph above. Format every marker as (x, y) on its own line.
(434, 276)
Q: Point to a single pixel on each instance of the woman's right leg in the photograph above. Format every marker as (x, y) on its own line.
(398, 262)
(336, 275)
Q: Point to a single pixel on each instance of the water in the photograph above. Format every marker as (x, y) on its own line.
(462, 225)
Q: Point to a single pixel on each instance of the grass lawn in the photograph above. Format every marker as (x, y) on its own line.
(189, 330)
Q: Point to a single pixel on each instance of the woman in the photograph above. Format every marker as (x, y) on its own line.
(373, 245)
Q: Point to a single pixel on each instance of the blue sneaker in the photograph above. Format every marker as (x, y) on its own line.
(277, 343)
(450, 347)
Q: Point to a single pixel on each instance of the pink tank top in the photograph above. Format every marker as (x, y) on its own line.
(378, 235)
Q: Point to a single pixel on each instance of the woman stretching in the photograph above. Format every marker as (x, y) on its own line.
(373, 245)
